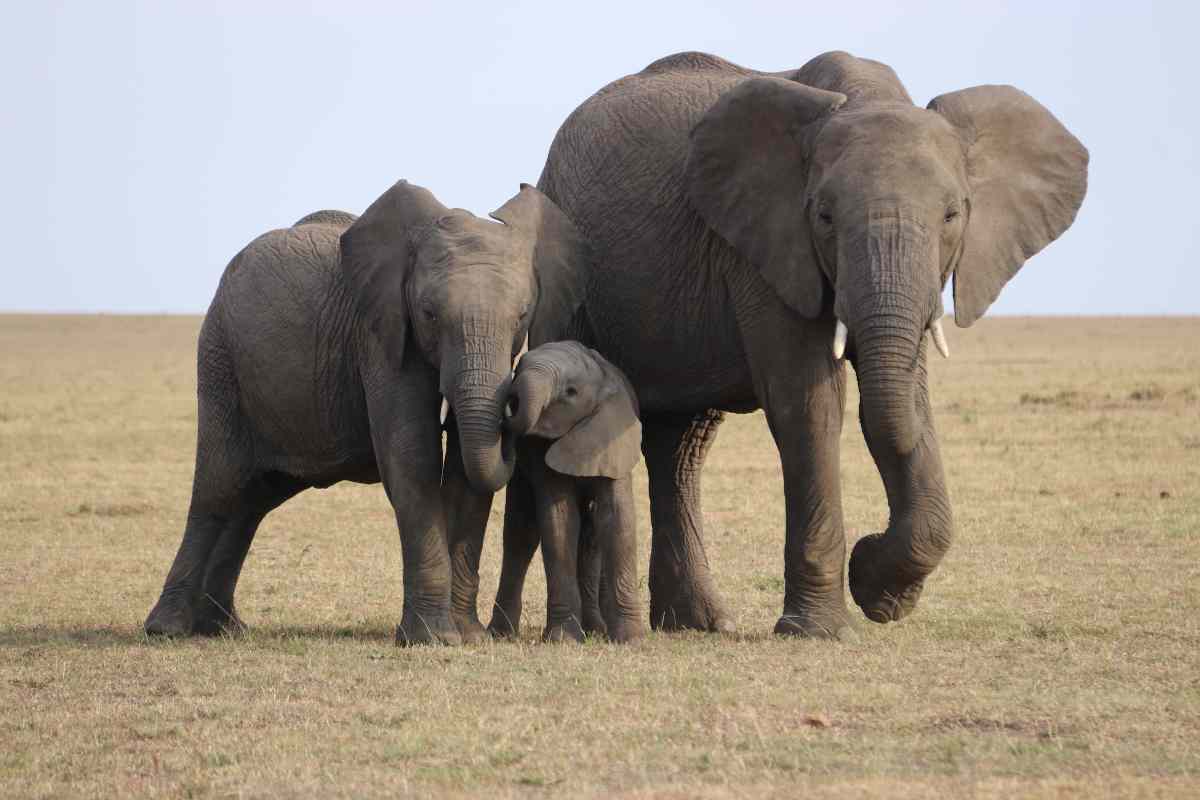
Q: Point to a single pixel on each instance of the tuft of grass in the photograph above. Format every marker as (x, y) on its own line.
(1054, 654)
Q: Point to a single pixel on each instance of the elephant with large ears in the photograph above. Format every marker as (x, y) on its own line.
(325, 356)
(750, 230)
(577, 419)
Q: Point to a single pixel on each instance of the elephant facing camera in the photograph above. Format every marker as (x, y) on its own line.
(576, 417)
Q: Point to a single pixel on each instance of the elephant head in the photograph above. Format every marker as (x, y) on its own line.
(852, 202)
(463, 293)
(568, 393)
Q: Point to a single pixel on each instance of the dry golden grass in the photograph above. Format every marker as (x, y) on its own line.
(1056, 652)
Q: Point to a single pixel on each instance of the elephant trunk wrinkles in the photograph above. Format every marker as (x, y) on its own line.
(531, 392)
(887, 319)
(479, 385)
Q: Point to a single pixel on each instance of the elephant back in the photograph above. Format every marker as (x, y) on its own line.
(326, 216)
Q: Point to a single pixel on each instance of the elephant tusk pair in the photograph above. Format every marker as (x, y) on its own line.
(935, 329)
(445, 410)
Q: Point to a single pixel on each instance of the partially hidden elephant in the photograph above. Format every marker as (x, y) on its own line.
(751, 230)
(324, 357)
(580, 438)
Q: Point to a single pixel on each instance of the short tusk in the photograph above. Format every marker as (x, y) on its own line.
(839, 340)
(524, 349)
(445, 410)
(939, 338)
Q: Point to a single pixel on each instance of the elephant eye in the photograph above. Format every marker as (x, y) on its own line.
(571, 391)
(825, 217)
(951, 215)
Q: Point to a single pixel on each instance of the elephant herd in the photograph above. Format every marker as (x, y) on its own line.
(704, 238)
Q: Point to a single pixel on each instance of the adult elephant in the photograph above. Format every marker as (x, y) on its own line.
(324, 357)
(750, 228)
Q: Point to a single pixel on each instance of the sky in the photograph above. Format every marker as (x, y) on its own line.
(143, 144)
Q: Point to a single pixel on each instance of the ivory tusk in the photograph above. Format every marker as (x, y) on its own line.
(939, 338)
(839, 340)
(445, 410)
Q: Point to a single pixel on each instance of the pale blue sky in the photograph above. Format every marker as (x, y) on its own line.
(143, 144)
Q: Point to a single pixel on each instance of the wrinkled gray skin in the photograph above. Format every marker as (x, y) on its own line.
(324, 357)
(572, 492)
(733, 215)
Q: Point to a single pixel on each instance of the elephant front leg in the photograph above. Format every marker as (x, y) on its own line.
(407, 440)
(808, 434)
(614, 522)
(466, 519)
(682, 592)
(801, 387)
(558, 521)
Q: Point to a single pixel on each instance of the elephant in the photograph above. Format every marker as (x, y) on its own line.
(323, 358)
(752, 231)
(579, 438)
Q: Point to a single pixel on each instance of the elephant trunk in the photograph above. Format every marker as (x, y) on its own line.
(531, 391)
(888, 313)
(478, 384)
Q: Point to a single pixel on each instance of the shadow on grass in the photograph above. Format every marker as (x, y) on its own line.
(101, 636)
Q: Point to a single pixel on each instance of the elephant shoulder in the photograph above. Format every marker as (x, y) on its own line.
(692, 61)
(860, 79)
(327, 216)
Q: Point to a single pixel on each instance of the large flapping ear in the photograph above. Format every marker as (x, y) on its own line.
(376, 256)
(561, 260)
(746, 174)
(608, 443)
(1027, 176)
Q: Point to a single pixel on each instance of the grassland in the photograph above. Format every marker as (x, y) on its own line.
(1056, 652)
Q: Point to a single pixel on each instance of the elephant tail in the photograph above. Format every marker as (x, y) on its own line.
(327, 217)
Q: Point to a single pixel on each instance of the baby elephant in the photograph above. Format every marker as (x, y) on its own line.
(577, 419)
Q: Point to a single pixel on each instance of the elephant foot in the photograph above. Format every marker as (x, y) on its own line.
(169, 619)
(506, 622)
(699, 611)
(418, 629)
(625, 631)
(817, 624)
(213, 620)
(568, 631)
(470, 628)
(882, 599)
(593, 622)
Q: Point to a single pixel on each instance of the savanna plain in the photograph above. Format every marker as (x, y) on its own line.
(1056, 652)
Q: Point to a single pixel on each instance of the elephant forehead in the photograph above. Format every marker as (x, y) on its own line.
(909, 151)
(569, 359)
(461, 237)
(896, 130)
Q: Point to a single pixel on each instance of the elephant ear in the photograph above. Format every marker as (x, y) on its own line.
(608, 443)
(376, 257)
(1027, 176)
(746, 174)
(561, 259)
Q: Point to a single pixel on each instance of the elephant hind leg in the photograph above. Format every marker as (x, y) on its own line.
(224, 468)
(214, 611)
(682, 593)
(589, 577)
